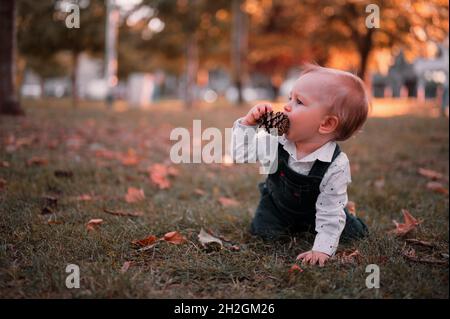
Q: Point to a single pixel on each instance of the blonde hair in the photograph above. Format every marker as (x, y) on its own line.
(350, 102)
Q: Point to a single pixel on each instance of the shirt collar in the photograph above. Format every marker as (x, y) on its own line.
(323, 153)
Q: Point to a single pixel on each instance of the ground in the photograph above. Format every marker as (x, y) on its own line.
(77, 145)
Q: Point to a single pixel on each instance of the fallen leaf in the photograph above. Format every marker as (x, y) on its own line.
(174, 237)
(228, 202)
(199, 191)
(349, 256)
(158, 175)
(379, 183)
(36, 160)
(47, 210)
(401, 229)
(122, 213)
(134, 195)
(4, 164)
(84, 198)
(63, 173)
(209, 241)
(149, 240)
(126, 265)
(130, 158)
(437, 187)
(410, 254)
(420, 242)
(430, 173)
(50, 201)
(93, 223)
(2, 184)
(295, 269)
(105, 154)
(351, 207)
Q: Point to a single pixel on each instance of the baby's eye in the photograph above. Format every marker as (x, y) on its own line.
(289, 98)
(299, 102)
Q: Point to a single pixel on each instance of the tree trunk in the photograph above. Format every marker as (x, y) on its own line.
(74, 79)
(191, 71)
(239, 48)
(8, 100)
(364, 47)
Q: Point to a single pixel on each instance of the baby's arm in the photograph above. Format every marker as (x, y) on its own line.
(247, 145)
(330, 215)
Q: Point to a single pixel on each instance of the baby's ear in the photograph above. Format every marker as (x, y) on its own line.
(329, 124)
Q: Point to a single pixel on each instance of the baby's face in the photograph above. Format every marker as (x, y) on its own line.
(308, 105)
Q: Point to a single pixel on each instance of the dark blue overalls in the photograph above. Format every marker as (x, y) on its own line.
(288, 202)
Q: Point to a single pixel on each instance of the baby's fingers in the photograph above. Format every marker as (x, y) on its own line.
(302, 255)
(264, 108)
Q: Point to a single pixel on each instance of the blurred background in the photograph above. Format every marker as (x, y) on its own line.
(141, 53)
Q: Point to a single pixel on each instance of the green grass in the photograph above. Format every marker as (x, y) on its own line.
(34, 254)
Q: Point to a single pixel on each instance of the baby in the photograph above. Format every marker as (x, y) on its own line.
(308, 189)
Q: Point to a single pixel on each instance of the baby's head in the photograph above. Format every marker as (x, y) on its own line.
(326, 104)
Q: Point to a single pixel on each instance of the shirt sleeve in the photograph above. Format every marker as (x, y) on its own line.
(249, 145)
(330, 215)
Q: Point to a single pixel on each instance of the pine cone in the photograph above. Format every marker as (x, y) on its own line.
(277, 120)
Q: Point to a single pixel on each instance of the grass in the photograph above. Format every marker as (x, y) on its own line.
(34, 254)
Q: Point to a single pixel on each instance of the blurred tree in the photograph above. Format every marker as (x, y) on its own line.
(239, 47)
(279, 38)
(44, 32)
(8, 99)
(408, 24)
(192, 38)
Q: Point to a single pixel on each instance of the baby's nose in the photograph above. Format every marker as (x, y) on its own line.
(287, 108)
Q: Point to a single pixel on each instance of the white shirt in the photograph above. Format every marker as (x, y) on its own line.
(330, 215)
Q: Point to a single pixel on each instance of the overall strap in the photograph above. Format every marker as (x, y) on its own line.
(282, 153)
(319, 168)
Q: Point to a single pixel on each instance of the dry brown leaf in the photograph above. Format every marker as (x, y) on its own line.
(126, 265)
(158, 175)
(228, 202)
(84, 198)
(4, 164)
(420, 242)
(130, 158)
(36, 160)
(207, 240)
(295, 269)
(122, 213)
(134, 195)
(437, 187)
(105, 154)
(349, 256)
(401, 229)
(199, 191)
(63, 173)
(379, 183)
(2, 184)
(410, 254)
(93, 223)
(149, 240)
(430, 173)
(54, 222)
(174, 237)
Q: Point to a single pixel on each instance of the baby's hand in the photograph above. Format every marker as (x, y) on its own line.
(313, 257)
(255, 113)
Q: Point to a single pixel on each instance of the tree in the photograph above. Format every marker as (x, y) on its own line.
(279, 38)
(8, 100)
(45, 30)
(193, 37)
(408, 24)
